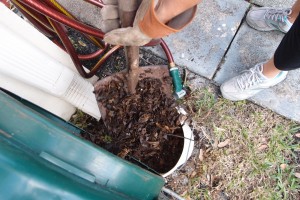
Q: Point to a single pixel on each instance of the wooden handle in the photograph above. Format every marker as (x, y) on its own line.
(127, 11)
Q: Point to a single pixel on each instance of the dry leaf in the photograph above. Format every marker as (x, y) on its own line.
(297, 175)
(264, 140)
(201, 153)
(188, 198)
(82, 43)
(215, 144)
(193, 174)
(283, 166)
(262, 147)
(183, 193)
(208, 150)
(224, 143)
(124, 153)
(208, 176)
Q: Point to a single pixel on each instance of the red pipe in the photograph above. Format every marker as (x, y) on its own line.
(92, 55)
(102, 44)
(167, 51)
(95, 2)
(76, 59)
(5, 2)
(41, 18)
(104, 58)
(69, 47)
(61, 18)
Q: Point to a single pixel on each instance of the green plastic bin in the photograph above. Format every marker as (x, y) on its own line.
(42, 158)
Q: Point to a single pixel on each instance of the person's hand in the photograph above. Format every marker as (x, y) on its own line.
(131, 36)
(154, 19)
(106, 18)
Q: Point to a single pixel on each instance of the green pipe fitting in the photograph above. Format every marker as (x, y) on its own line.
(177, 82)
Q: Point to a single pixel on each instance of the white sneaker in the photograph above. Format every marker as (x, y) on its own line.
(249, 83)
(268, 19)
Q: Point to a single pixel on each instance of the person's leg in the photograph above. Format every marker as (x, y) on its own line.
(295, 11)
(269, 69)
(287, 55)
(265, 75)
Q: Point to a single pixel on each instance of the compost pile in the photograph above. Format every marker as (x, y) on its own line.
(144, 127)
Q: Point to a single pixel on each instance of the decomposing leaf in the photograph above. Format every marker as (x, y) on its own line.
(283, 166)
(123, 153)
(264, 140)
(194, 173)
(82, 43)
(262, 147)
(224, 143)
(201, 155)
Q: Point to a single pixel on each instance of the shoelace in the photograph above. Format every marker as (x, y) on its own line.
(249, 78)
(278, 15)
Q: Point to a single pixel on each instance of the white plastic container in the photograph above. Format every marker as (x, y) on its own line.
(37, 70)
(188, 147)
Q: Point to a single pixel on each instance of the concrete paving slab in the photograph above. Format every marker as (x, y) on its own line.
(274, 3)
(250, 47)
(201, 46)
(283, 98)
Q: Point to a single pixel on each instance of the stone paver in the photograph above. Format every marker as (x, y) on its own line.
(283, 98)
(201, 46)
(250, 47)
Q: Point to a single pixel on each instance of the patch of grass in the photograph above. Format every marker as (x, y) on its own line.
(259, 162)
(196, 189)
(79, 119)
(205, 102)
(107, 139)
